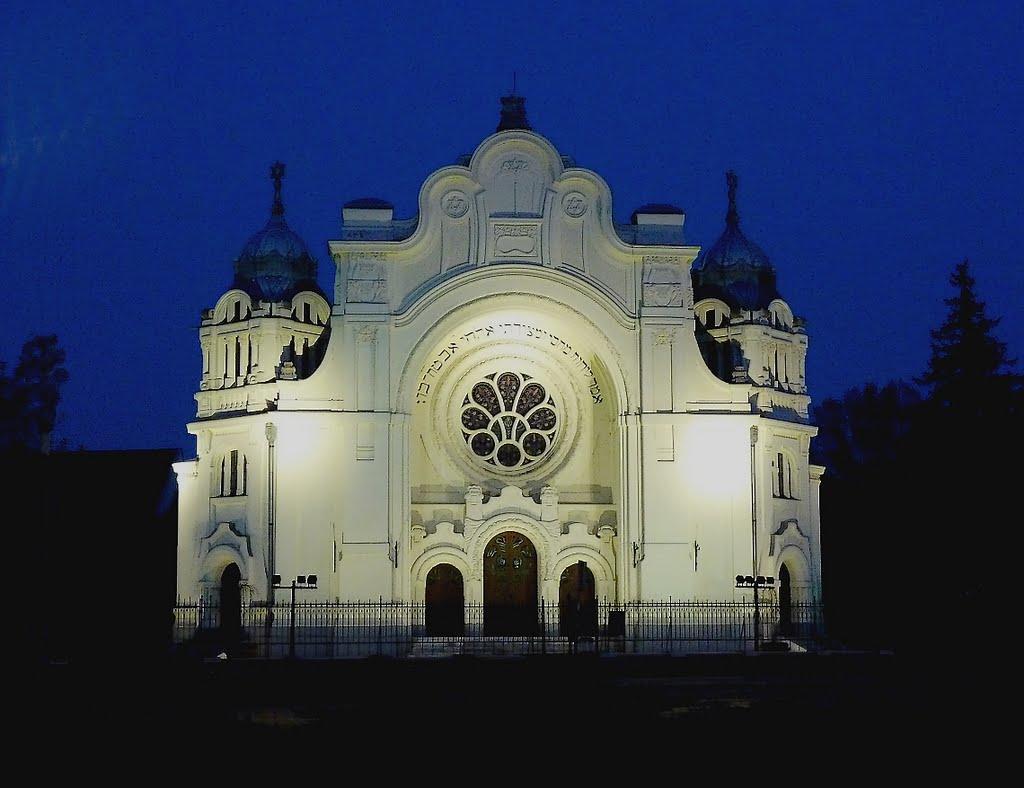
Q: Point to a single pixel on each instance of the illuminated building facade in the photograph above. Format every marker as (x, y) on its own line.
(504, 386)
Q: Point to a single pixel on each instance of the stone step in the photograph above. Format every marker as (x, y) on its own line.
(427, 647)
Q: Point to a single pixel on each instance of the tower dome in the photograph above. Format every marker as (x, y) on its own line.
(735, 269)
(275, 264)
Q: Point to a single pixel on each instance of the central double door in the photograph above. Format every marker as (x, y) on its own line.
(510, 586)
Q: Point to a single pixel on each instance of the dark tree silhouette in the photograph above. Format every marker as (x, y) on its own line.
(970, 374)
(864, 442)
(29, 398)
(913, 484)
(867, 427)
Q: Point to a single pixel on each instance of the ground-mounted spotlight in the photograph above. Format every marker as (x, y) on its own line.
(301, 580)
(275, 580)
(311, 580)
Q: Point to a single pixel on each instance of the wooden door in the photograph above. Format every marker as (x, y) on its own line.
(230, 602)
(510, 585)
(445, 602)
(785, 601)
(577, 602)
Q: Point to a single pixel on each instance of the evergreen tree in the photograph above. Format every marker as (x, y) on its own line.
(29, 398)
(969, 374)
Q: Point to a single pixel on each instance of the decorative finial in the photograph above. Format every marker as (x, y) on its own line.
(513, 113)
(732, 218)
(276, 174)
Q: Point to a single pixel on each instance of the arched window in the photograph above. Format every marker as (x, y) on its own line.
(234, 472)
(782, 476)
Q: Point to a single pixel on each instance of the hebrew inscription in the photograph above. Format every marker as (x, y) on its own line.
(517, 330)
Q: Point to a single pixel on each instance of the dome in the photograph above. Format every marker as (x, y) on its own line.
(735, 269)
(275, 264)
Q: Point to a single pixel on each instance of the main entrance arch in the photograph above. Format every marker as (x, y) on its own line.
(510, 585)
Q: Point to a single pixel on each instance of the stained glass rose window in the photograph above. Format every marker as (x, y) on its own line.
(509, 420)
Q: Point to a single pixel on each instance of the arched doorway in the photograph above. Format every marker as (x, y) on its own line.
(445, 602)
(577, 601)
(510, 585)
(231, 603)
(785, 601)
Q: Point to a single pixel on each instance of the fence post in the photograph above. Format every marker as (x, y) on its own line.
(291, 629)
(543, 627)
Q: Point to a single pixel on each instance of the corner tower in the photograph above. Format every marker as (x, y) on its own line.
(746, 332)
(268, 326)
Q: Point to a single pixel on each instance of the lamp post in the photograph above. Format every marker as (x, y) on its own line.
(755, 582)
(753, 530)
(304, 582)
(270, 430)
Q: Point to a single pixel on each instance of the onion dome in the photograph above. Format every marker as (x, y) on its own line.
(735, 269)
(275, 264)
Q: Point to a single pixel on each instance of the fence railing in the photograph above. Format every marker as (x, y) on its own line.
(338, 630)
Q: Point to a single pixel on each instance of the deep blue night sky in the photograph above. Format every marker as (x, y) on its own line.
(876, 145)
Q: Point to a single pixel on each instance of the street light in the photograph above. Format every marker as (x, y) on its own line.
(301, 582)
(754, 578)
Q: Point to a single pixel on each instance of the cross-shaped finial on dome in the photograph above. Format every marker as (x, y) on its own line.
(732, 218)
(276, 174)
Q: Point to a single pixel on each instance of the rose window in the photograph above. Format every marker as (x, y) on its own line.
(509, 420)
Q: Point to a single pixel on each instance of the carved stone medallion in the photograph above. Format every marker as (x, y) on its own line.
(574, 204)
(455, 203)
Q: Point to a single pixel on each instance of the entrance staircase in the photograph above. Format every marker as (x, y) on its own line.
(436, 648)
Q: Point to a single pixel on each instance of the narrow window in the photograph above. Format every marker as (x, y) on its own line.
(305, 314)
(221, 489)
(238, 357)
(248, 356)
(245, 474)
(709, 321)
(234, 473)
(782, 476)
(238, 311)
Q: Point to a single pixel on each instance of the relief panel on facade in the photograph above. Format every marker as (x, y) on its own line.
(367, 279)
(665, 282)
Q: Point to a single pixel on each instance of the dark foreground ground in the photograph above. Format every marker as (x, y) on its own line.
(816, 693)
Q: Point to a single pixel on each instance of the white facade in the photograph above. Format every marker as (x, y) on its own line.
(371, 452)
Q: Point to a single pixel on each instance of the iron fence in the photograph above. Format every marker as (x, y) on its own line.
(339, 630)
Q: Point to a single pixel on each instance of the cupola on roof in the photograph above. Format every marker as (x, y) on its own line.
(735, 269)
(275, 264)
(513, 113)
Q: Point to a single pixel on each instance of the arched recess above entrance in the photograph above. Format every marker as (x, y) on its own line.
(217, 560)
(448, 309)
(527, 526)
(800, 577)
(604, 574)
(214, 564)
(442, 554)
